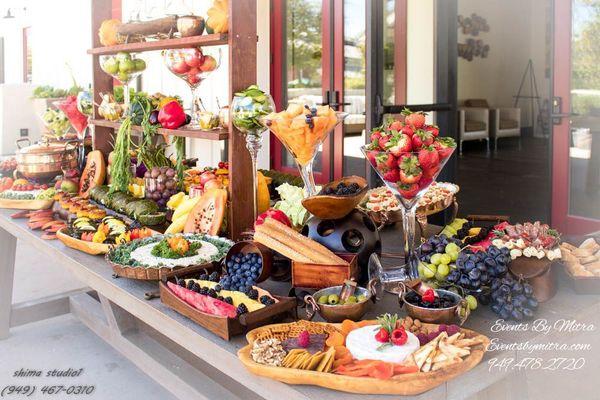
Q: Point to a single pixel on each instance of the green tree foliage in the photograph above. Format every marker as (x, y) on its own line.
(304, 47)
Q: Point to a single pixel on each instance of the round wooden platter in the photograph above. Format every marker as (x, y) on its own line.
(140, 273)
(26, 204)
(82, 245)
(403, 385)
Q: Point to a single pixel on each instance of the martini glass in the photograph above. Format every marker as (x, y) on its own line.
(302, 136)
(246, 113)
(193, 65)
(124, 67)
(387, 167)
(78, 120)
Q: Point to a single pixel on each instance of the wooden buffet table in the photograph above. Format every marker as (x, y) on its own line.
(193, 363)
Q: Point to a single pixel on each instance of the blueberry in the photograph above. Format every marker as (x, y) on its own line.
(229, 264)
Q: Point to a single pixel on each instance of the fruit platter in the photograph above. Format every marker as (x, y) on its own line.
(22, 194)
(152, 257)
(380, 356)
(97, 236)
(210, 300)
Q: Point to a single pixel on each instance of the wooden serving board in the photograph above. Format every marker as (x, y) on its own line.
(82, 245)
(26, 204)
(404, 385)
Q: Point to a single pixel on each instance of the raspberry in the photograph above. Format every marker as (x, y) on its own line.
(304, 339)
(399, 337)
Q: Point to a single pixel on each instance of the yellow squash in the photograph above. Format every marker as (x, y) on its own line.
(218, 17)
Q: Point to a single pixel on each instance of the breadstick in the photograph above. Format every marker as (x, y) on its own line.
(316, 250)
(279, 247)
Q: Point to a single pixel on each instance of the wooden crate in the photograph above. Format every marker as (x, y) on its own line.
(319, 276)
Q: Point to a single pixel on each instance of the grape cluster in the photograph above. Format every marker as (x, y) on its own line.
(425, 338)
(435, 244)
(512, 299)
(477, 269)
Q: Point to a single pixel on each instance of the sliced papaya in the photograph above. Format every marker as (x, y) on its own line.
(208, 214)
(93, 174)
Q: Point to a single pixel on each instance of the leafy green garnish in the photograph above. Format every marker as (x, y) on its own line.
(163, 250)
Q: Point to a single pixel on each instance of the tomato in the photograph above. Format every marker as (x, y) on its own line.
(275, 214)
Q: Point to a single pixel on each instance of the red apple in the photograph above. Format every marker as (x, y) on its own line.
(194, 58)
(193, 77)
(210, 64)
(180, 67)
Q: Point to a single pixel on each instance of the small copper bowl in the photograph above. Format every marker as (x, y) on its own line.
(339, 313)
(251, 247)
(459, 312)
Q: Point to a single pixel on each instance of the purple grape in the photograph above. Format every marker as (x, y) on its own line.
(452, 329)
(423, 339)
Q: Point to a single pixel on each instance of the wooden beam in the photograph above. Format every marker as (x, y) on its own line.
(242, 73)
(41, 309)
(101, 81)
(8, 249)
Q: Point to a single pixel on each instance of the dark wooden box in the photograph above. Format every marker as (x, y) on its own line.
(223, 326)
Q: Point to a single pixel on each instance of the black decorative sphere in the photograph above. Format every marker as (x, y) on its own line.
(356, 233)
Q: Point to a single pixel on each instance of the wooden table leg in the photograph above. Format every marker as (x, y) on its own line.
(8, 248)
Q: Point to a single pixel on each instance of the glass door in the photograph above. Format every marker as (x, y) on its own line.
(576, 117)
(301, 35)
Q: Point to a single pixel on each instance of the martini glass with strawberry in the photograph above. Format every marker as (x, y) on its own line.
(408, 156)
(193, 65)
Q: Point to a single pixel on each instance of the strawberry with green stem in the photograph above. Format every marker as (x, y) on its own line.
(421, 138)
(415, 119)
(410, 171)
(428, 158)
(399, 144)
(444, 146)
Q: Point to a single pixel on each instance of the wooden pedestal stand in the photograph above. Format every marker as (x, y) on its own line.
(241, 41)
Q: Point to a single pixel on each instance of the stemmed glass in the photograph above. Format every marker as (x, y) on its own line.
(193, 65)
(425, 170)
(124, 67)
(247, 109)
(302, 130)
(78, 120)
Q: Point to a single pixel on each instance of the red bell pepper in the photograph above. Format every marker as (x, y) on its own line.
(171, 115)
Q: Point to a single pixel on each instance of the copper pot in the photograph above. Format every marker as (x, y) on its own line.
(459, 312)
(339, 313)
(538, 274)
(45, 160)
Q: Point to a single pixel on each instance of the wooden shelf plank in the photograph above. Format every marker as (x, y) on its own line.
(214, 134)
(214, 39)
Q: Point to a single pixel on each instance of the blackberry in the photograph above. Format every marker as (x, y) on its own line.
(228, 300)
(220, 298)
(190, 284)
(204, 291)
(264, 299)
(204, 277)
(196, 288)
(242, 309)
(270, 302)
(214, 277)
(181, 282)
(252, 293)
(218, 288)
(212, 293)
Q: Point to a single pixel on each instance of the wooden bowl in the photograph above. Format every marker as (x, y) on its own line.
(336, 206)
(251, 247)
(81, 245)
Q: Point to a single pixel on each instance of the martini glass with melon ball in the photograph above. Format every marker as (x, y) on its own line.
(302, 129)
(78, 120)
(124, 67)
(419, 170)
(193, 65)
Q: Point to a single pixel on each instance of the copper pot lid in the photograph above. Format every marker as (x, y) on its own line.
(43, 147)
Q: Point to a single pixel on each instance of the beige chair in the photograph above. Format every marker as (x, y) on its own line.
(473, 124)
(505, 122)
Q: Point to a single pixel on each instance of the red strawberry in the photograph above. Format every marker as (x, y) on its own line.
(372, 159)
(407, 130)
(393, 175)
(434, 129)
(399, 336)
(421, 138)
(428, 296)
(415, 119)
(431, 172)
(400, 144)
(382, 336)
(383, 141)
(445, 146)
(375, 135)
(428, 158)
(425, 181)
(408, 191)
(395, 126)
(410, 172)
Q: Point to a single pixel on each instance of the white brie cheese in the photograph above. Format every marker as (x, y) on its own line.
(363, 346)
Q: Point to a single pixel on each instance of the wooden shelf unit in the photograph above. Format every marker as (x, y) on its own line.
(213, 134)
(241, 44)
(215, 39)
